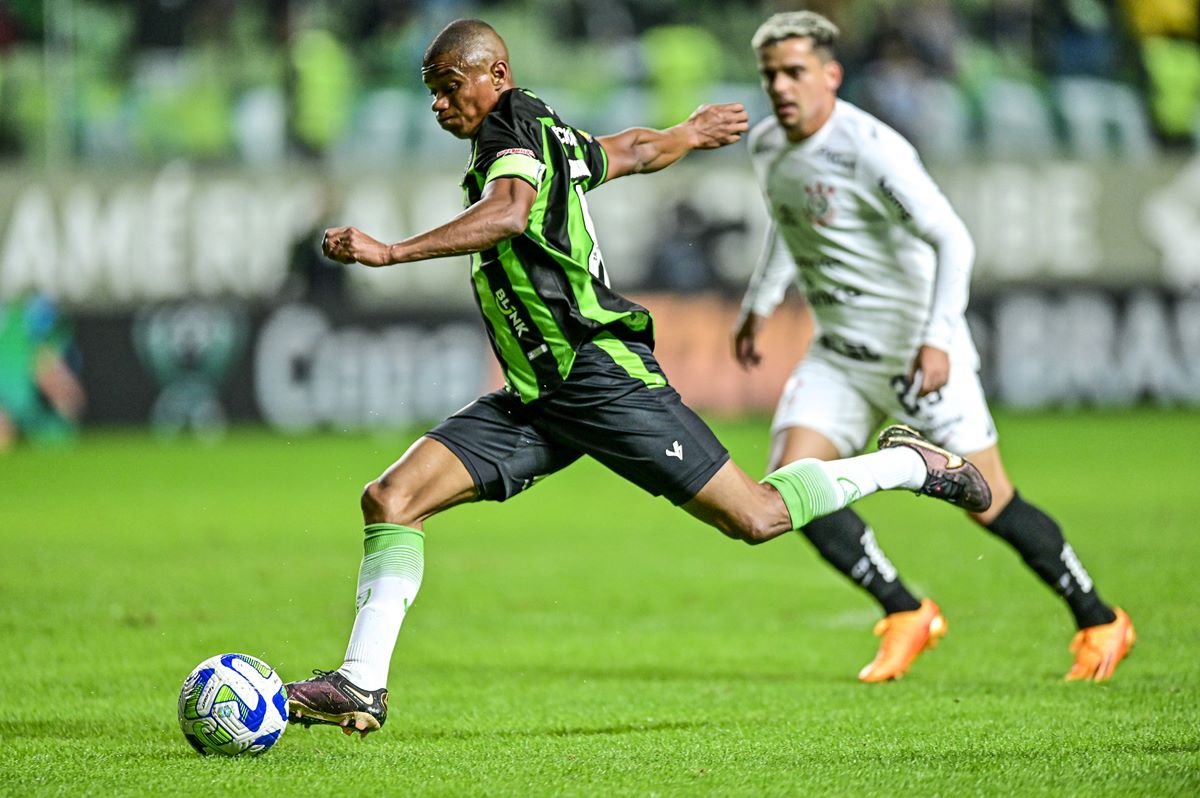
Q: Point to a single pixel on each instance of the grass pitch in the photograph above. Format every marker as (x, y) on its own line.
(586, 639)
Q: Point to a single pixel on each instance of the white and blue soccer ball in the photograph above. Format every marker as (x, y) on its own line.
(232, 704)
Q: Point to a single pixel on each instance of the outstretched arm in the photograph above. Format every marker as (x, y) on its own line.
(641, 149)
(501, 213)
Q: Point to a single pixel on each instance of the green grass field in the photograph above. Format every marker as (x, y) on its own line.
(586, 639)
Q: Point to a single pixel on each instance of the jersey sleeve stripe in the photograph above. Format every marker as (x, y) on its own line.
(517, 164)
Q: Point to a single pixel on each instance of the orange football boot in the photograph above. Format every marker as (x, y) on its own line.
(905, 635)
(1098, 649)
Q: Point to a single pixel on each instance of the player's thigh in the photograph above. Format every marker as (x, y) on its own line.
(617, 408)
(427, 479)
(499, 447)
(956, 416)
(798, 443)
(828, 400)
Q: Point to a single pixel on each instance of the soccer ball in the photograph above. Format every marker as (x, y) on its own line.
(232, 704)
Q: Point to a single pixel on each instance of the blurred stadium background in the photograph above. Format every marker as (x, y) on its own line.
(167, 166)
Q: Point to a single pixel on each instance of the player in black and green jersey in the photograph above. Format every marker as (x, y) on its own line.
(581, 378)
(41, 398)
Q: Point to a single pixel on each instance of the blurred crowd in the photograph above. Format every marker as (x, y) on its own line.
(118, 81)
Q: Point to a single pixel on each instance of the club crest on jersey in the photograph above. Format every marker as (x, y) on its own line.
(817, 204)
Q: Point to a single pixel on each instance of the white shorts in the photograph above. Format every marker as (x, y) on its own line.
(847, 403)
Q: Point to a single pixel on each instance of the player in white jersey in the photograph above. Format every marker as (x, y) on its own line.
(885, 264)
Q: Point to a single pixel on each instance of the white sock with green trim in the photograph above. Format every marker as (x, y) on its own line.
(388, 580)
(885, 469)
(813, 488)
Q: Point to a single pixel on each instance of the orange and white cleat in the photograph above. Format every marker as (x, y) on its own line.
(1098, 649)
(905, 635)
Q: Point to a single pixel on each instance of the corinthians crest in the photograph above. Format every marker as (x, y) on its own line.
(817, 205)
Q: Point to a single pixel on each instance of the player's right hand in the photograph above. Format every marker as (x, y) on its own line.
(745, 341)
(351, 245)
(931, 367)
(717, 125)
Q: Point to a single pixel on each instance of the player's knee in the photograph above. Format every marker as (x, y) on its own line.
(372, 500)
(386, 501)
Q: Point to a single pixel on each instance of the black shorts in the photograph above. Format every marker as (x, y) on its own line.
(625, 416)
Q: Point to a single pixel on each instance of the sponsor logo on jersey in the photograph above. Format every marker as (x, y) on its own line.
(845, 160)
(565, 135)
(516, 151)
(506, 307)
(836, 343)
(835, 295)
(905, 215)
(578, 169)
(817, 205)
(816, 263)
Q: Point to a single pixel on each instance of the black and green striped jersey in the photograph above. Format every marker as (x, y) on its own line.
(545, 293)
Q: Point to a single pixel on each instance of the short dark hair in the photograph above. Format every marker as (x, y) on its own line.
(798, 25)
(472, 40)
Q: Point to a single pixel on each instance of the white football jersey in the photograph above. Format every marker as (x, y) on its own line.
(883, 259)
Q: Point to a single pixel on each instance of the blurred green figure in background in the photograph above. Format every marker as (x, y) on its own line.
(41, 399)
(683, 63)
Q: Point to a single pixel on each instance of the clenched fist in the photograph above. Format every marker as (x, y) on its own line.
(351, 245)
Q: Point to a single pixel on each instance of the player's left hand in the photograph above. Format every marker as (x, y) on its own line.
(717, 125)
(745, 341)
(351, 245)
(932, 365)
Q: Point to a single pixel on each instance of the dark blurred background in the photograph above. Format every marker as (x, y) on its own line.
(166, 167)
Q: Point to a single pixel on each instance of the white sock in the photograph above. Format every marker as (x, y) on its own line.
(886, 469)
(388, 580)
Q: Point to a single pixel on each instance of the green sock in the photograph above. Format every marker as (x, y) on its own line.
(808, 491)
